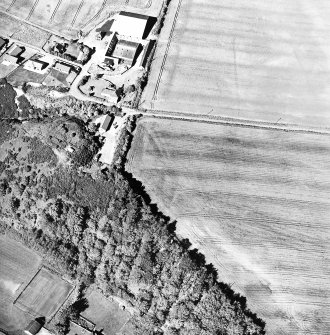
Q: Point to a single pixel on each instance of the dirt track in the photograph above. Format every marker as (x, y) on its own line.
(261, 60)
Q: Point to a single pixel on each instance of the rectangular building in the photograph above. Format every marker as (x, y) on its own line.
(131, 24)
(9, 60)
(126, 51)
(35, 65)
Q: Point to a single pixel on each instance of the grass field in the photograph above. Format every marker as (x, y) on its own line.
(256, 202)
(17, 267)
(260, 60)
(44, 295)
(104, 313)
(68, 17)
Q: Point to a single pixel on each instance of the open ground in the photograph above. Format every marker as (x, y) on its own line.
(106, 314)
(44, 295)
(256, 202)
(259, 60)
(18, 265)
(66, 18)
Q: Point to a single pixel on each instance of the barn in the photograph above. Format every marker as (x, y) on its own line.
(131, 24)
(126, 51)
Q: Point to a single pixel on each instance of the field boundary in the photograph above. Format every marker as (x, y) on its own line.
(29, 282)
(233, 122)
(30, 310)
(154, 97)
(104, 3)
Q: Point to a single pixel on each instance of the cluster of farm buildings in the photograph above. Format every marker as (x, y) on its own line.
(111, 52)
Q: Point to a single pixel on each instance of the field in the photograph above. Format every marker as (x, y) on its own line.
(22, 31)
(256, 202)
(260, 60)
(17, 267)
(66, 18)
(104, 313)
(44, 295)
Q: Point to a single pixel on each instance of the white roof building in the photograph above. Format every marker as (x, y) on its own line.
(9, 60)
(131, 24)
(35, 65)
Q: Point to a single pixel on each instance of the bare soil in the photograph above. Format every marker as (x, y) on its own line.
(258, 60)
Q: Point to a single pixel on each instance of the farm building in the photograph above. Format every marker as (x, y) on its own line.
(131, 24)
(62, 68)
(105, 125)
(111, 44)
(109, 94)
(126, 50)
(35, 65)
(146, 52)
(33, 328)
(15, 50)
(9, 60)
(73, 50)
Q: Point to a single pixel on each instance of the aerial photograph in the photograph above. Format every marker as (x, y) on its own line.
(164, 167)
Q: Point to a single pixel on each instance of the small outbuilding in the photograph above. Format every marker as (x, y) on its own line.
(131, 24)
(126, 51)
(33, 328)
(106, 124)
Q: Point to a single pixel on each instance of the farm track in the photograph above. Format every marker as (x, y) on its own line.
(54, 12)
(77, 13)
(214, 119)
(32, 10)
(96, 15)
(154, 97)
(11, 5)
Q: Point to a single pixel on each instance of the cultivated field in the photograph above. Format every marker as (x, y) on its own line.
(44, 295)
(22, 31)
(68, 17)
(104, 313)
(256, 202)
(260, 59)
(17, 267)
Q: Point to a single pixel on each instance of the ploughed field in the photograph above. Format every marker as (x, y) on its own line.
(67, 17)
(260, 59)
(256, 202)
